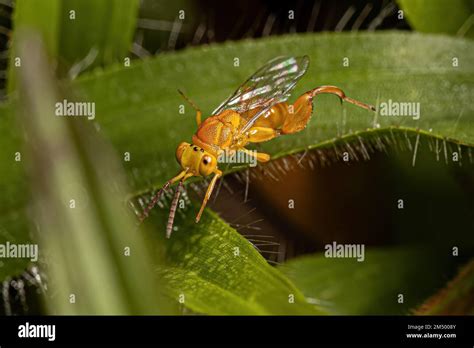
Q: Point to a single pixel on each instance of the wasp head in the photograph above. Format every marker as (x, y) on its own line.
(195, 159)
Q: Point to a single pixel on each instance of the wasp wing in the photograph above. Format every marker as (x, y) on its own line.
(270, 85)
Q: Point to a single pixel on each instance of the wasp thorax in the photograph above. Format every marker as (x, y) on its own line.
(195, 159)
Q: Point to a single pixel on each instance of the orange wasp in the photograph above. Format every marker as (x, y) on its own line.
(256, 112)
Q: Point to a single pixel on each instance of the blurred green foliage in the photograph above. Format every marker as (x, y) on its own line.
(455, 17)
(80, 33)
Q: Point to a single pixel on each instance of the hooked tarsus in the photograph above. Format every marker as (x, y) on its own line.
(342, 96)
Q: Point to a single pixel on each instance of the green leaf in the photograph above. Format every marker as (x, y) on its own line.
(79, 33)
(137, 109)
(455, 17)
(219, 272)
(372, 287)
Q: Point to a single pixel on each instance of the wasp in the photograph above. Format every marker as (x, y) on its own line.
(256, 112)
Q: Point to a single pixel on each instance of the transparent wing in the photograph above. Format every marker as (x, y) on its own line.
(271, 84)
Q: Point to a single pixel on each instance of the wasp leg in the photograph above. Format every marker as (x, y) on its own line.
(210, 188)
(261, 156)
(198, 111)
(340, 93)
(300, 112)
(259, 134)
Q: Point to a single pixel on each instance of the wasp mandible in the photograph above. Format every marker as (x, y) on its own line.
(255, 113)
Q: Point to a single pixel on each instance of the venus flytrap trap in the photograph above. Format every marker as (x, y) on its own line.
(256, 112)
(211, 268)
(447, 301)
(235, 278)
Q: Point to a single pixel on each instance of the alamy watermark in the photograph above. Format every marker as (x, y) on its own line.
(394, 108)
(22, 251)
(68, 108)
(28, 330)
(336, 250)
(233, 156)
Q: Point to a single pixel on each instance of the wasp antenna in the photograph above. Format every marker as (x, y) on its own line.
(174, 204)
(157, 196)
(198, 111)
(153, 202)
(187, 99)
